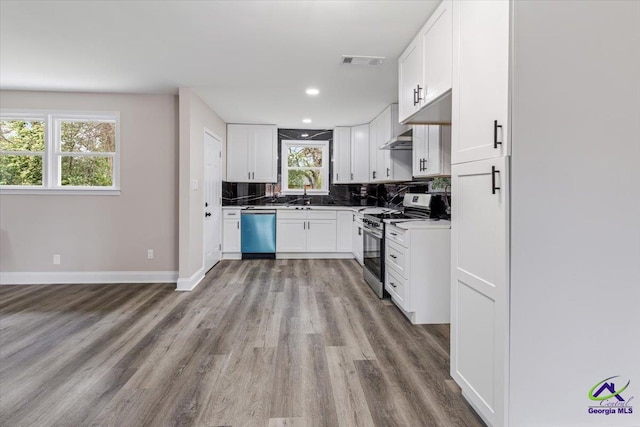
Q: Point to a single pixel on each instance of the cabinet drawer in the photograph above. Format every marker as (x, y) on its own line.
(395, 256)
(231, 213)
(396, 285)
(291, 214)
(397, 235)
(321, 214)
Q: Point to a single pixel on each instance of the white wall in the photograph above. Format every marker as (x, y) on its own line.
(575, 243)
(195, 117)
(101, 233)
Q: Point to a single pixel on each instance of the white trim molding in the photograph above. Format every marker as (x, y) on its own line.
(314, 255)
(86, 277)
(189, 283)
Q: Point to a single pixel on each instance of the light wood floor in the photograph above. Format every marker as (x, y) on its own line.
(263, 342)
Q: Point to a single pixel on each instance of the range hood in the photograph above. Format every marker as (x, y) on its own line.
(400, 142)
(437, 112)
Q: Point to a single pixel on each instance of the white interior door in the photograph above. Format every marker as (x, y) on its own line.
(212, 200)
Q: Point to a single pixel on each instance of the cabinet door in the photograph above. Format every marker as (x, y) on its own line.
(437, 50)
(343, 232)
(357, 238)
(231, 235)
(264, 156)
(409, 78)
(374, 172)
(383, 131)
(341, 155)
(291, 235)
(238, 153)
(480, 287)
(420, 152)
(360, 153)
(480, 80)
(321, 235)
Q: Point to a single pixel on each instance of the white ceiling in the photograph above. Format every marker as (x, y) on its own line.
(251, 61)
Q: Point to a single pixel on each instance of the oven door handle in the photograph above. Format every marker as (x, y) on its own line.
(373, 233)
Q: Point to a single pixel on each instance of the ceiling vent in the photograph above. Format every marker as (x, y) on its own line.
(362, 60)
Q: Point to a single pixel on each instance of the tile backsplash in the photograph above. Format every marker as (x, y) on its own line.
(239, 193)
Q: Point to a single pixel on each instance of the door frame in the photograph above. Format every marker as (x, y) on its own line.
(215, 136)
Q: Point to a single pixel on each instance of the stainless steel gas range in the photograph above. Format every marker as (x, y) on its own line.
(416, 207)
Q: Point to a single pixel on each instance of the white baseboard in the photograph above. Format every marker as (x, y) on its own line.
(231, 255)
(86, 277)
(190, 283)
(314, 255)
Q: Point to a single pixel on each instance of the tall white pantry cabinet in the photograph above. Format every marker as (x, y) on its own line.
(545, 273)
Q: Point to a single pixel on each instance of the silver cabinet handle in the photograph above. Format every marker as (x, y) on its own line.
(304, 225)
(232, 214)
(393, 256)
(354, 218)
(238, 225)
(351, 177)
(308, 225)
(393, 234)
(253, 175)
(337, 177)
(387, 171)
(249, 175)
(359, 231)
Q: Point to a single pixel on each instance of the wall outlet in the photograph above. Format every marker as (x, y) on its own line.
(56, 259)
(150, 254)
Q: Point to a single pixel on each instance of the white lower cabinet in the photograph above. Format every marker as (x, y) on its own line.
(299, 231)
(321, 235)
(343, 232)
(417, 271)
(231, 231)
(291, 235)
(480, 294)
(357, 237)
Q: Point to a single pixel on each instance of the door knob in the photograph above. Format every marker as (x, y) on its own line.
(207, 214)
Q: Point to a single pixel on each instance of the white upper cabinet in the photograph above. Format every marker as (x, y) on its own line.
(431, 151)
(374, 169)
(425, 71)
(341, 155)
(252, 153)
(360, 153)
(410, 79)
(388, 165)
(481, 80)
(436, 41)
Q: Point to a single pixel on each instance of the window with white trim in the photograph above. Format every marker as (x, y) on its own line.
(59, 151)
(305, 166)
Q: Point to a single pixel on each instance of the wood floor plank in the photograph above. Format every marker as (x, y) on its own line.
(257, 343)
(351, 403)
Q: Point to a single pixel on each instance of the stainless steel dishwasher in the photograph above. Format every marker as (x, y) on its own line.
(258, 233)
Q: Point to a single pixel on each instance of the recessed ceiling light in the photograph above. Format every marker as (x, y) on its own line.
(312, 91)
(304, 135)
(306, 120)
